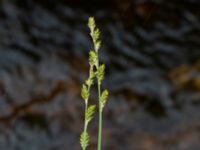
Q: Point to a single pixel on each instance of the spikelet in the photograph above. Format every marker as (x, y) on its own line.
(84, 140)
(103, 99)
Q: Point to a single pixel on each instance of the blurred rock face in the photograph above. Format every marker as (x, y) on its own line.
(152, 54)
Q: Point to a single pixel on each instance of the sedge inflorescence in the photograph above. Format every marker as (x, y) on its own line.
(96, 73)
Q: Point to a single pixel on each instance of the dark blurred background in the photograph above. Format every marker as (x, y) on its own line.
(152, 53)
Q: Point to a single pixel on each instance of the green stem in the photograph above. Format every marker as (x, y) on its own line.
(100, 120)
(85, 124)
(100, 112)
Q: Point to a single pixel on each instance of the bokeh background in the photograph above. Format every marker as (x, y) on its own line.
(152, 53)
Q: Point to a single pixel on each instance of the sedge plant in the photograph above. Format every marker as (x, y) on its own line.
(96, 72)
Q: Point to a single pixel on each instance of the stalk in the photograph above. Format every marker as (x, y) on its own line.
(100, 113)
(100, 122)
(100, 132)
(85, 123)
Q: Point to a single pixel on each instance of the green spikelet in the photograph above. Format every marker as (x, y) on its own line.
(91, 25)
(94, 33)
(84, 92)
(92, 58)
(90, 112)
(103, 99)
(84, 140)
(101, 72)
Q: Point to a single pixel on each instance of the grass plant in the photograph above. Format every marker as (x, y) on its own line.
(97, 72)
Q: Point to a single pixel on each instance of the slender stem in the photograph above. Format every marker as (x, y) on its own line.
(100, 112)
(100, 132)
(85, 123)
(100, 119)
